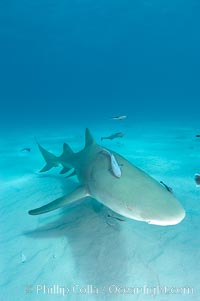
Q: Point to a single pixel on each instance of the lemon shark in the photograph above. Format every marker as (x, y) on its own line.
(131, 192)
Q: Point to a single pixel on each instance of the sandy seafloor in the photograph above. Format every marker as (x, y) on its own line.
(79, 246)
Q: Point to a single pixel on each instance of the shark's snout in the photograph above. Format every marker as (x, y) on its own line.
(169, 219)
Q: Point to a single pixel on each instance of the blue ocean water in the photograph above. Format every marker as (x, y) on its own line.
(66, 65)
(89, 59)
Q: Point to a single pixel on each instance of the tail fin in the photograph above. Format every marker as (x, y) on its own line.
(51, 160)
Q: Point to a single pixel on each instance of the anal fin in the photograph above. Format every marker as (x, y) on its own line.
(65, 170)
(71, 174)
(77, 194)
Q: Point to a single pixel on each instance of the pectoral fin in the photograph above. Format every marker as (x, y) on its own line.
(79, 193)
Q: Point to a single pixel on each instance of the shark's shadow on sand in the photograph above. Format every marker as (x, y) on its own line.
(92, 238)
(103, 255)
(105, 251)
(95, 241)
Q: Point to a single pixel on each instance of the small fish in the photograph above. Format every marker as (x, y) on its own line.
(114, 165)
(26, 149)
(117, 218)
(167, 187)
(23, 258)
(121, 117)
(113, 136)
(198, 136)
(197, 179)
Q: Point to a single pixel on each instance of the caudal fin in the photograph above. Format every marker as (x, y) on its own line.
(51, 160)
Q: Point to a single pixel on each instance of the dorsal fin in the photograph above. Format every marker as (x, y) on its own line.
(67, 155)
(67, 150)
(88, 138)
(51, 160)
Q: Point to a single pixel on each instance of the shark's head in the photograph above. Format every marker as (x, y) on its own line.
(170, 220)
(167, 213)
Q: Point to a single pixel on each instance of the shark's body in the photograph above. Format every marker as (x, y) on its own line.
(134, 194)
